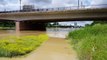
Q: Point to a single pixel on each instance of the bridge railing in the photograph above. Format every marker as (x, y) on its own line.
(59, 8)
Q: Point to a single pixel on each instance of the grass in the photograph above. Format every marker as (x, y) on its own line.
(13, 46)
(90, 42)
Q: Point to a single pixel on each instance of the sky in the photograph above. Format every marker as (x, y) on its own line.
(15, 4)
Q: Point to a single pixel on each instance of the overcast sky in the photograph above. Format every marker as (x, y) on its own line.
(15, 4)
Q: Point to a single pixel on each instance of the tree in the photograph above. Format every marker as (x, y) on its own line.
(100, 22)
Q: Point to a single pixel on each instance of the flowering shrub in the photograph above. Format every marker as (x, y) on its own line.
(13, 46)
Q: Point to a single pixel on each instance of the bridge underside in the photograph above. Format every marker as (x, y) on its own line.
(24, 25)
(40, 25)
(32, 25)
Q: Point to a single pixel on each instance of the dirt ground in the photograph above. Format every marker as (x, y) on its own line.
(53, 49)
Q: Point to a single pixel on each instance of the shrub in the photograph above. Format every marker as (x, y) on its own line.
(90, 42)
(13, 46)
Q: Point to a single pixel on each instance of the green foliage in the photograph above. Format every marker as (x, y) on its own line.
(7, 25)
(90, 42)
(99, 22)
(13, 46)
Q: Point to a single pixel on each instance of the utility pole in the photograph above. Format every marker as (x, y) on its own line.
(78, 4)
(82, 5)
(4, 4)
(20, 4)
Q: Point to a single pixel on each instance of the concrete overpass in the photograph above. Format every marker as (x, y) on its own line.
(65, 15)
(53, 16)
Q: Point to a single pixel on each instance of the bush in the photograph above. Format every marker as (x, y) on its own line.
(90, 42)
(13, 46)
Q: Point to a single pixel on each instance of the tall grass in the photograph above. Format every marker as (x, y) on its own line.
(13, 46)
(90, 42)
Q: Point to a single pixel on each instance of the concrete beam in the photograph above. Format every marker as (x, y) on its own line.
(81, 14)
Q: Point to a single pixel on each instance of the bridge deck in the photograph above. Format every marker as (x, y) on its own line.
(81, 14)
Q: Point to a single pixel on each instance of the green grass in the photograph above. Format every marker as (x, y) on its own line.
(90, 42)
(13, 46)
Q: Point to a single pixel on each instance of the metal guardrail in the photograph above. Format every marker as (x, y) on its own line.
(60, 8)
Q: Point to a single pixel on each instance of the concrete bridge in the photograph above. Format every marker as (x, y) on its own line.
(65, 15)
(24, 20)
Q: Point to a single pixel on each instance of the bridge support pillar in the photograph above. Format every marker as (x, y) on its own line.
(17, 23)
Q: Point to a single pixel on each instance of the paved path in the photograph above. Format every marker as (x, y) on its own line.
(53, 49)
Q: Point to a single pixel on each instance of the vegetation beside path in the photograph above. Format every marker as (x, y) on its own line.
(90, 42)
(13, 46)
